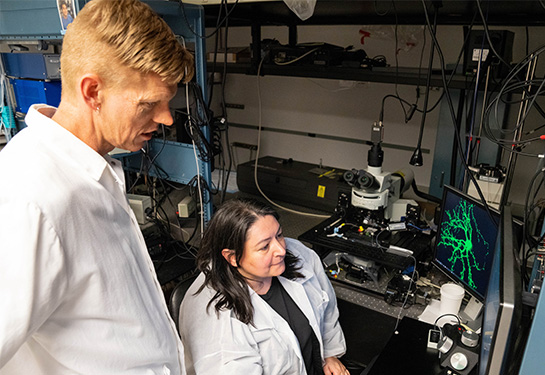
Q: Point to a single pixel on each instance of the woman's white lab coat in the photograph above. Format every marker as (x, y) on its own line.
(221, 344)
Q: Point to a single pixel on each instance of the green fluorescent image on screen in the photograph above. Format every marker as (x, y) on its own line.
(465, 241)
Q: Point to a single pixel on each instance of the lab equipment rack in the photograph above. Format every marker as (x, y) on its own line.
(37, 23)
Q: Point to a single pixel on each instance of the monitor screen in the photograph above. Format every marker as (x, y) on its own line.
(465, 242)
(502, 329)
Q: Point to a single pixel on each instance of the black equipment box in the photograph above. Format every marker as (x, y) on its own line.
(294, 182)
(324, 54)
(478, 43)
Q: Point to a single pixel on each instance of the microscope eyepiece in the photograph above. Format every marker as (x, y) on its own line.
(367, 181)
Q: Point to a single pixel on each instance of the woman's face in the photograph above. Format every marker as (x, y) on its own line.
(264, 251)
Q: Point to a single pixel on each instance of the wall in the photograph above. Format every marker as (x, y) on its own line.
(347, 109)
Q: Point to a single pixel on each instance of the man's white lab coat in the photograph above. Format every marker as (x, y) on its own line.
(78, 291)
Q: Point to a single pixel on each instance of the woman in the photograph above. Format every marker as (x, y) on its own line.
(262, 303)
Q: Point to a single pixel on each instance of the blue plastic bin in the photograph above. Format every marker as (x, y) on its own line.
(28, 92)
(32, 65)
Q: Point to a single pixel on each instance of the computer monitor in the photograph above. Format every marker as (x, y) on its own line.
(465, 241)
(503, 329)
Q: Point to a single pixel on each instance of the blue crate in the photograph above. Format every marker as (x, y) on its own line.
(32, 65)
(28, 92)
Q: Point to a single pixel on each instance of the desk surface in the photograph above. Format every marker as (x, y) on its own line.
(406, 352)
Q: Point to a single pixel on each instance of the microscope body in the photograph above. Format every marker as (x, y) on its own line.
(377, 191)
(373, 189)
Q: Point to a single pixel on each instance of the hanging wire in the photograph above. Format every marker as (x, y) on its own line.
(513, 85)
(257, 155)
(452, 113)
(219, 23)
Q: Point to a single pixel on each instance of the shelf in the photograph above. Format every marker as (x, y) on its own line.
(373, 12)
(404, 76)
(366, 12)
(31, 20)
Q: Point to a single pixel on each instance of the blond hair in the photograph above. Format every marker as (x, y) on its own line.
(108, 36)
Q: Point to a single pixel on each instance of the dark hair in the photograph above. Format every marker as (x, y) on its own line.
(227, 230)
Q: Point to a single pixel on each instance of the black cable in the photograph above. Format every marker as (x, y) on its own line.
(165, 229)
(414, 277)
(445, 315)
(453, 116)
(471, 142)
(396, 46)
(526, 31)
(416, 159)
(214, 61)
(512, 84)
(218, 24)
(527, 212)
(489, 39)
(229, 166)
(226, 171)
(423, 195)
(199, 119)
(146, 167)
(139, 175)
(194, 229)
(193, 188)
(401, 101)
(412, 107)
(161, 173)
(456, 65)
(208, 150)
(201, 143)
(420, 65)
(487, 34)
(158, 203)
(152, 161)
(224, 77)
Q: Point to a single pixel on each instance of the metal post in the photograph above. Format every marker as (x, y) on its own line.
(473, 159)
(518, 133)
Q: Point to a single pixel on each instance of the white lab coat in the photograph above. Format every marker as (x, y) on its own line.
(78, 291)
(223, 345)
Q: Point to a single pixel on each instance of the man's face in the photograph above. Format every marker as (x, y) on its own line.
(64, 10)
(129, 115)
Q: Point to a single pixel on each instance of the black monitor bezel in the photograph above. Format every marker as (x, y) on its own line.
(504, 353)
(496, 217)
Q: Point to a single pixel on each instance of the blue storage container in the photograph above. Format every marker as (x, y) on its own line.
(28, 92)
(32, 65)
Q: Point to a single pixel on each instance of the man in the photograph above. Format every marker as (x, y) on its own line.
(79, 294)
(66, 18)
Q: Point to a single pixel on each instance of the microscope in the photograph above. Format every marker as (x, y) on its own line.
(375, 191)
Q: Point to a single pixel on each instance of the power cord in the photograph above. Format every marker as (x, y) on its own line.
(218, 22)
(398, 319)
(257, 156)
